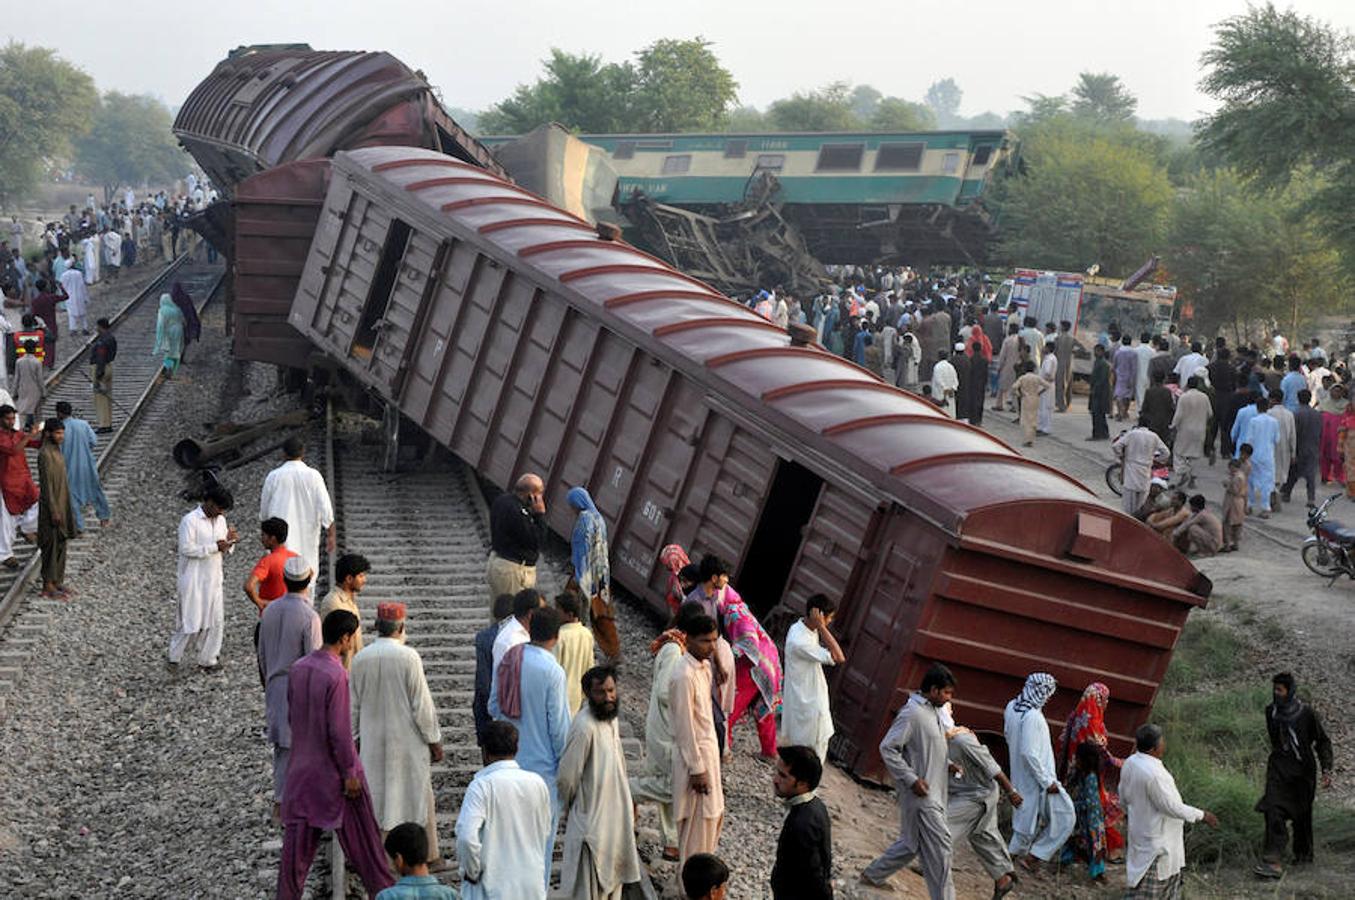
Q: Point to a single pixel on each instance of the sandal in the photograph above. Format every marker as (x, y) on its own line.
(1266, 870)
(10, 564)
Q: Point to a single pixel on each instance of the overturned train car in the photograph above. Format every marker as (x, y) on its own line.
(262, 126)
(517, 337)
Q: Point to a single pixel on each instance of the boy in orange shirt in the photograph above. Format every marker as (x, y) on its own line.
(264, 583)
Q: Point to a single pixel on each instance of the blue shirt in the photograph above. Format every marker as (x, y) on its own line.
(417, 887)
(1291, 384)
(544, 723)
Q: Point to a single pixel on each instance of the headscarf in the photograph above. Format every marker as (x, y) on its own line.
(674, 558)
(976, 336)
(192, 324)
(1039, 687)
(671, 636)
(1286, 715)
(592, 570)
(169, 328)
(1086, 723)
(748, 639)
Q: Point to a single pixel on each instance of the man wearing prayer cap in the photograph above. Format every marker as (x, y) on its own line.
(397, 727)
(288, 630)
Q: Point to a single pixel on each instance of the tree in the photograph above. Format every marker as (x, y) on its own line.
(943, 98)
(746, 119)
(681, 86)
(45, 102)
(578, 91)
(864, 101)
(1041, 108)
(1287, 95)
(896, 114)
(672, 86)
(827, 109)
(130, 142)
(1086, 198)
(1239, 255)
(1102, 97)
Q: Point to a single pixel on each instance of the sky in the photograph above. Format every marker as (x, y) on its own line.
(996, 50)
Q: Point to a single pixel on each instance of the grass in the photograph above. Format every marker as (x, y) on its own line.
(1212, 709)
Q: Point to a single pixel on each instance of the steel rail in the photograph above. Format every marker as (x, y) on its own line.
(9, 603)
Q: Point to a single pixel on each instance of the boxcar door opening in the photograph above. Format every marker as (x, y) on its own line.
(791, 499)
(383, 286)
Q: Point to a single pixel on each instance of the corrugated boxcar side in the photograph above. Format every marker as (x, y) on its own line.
(512, 378)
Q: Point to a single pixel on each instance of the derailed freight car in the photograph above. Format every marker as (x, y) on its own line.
(262, 125)
(517, 337)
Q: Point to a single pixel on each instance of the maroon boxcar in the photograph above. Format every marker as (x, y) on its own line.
(521, 340)
(262, 126)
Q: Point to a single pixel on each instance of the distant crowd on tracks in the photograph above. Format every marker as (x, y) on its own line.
(355, 730)
(1280, 414)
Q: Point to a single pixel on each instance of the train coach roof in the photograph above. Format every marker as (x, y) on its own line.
(280, 105)
(944, 469)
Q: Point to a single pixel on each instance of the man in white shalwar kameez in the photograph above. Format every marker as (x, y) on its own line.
(806, 719)
(90, 247)
(1155, 850)
(599, 852)
(1041, 825)
(296, 493)
(204, 538)
(1049, 369)
(396, 727)
(77, 299)
(502, 828)
(655, 785)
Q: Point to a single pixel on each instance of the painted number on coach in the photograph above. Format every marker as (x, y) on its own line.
(652, 513)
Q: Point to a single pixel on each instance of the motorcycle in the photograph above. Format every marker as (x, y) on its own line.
(1329, 551)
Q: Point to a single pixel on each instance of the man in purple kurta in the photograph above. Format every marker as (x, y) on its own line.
(325, 787)
(1125, 362)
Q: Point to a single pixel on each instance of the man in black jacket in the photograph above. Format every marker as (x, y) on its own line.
(804, 852)
(1298, 746)
(517, 527)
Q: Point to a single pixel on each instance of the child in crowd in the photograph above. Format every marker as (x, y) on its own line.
(705, 877)
(574, 649)
(407, 846)
(1235, 500)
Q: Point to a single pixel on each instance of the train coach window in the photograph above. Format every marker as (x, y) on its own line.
(770, 162)
(677, 165)
(383, 285)
(736, 149)
(899, 157)
(624, 150)
(981, 155)
(950, 164)
(840, 157)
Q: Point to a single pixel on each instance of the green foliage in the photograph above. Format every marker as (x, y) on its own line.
(130, 143)
(865, 100)
(747, 119)
(682, 87)
(895, 114)
(45, 102)
(827, 109)
(1286, 83)
(672, 86)
(1102, 97)
(1087, 198)
(1240, 254)
(943, 98)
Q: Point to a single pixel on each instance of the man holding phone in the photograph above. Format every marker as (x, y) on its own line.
(517, 526)
(204, 539)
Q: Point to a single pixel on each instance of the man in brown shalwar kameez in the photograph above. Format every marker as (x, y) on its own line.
(54, 510)
(698, 795)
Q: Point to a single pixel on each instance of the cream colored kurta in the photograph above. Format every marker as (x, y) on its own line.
(394, 722)
(296, 493)
(341, 599)
(806, 719)
(1191, 422)
(574, 652)
(200, 570)
(599, 832)
(695, 750)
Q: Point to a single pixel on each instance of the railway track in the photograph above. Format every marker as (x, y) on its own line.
(134, 384)
(426, 533)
